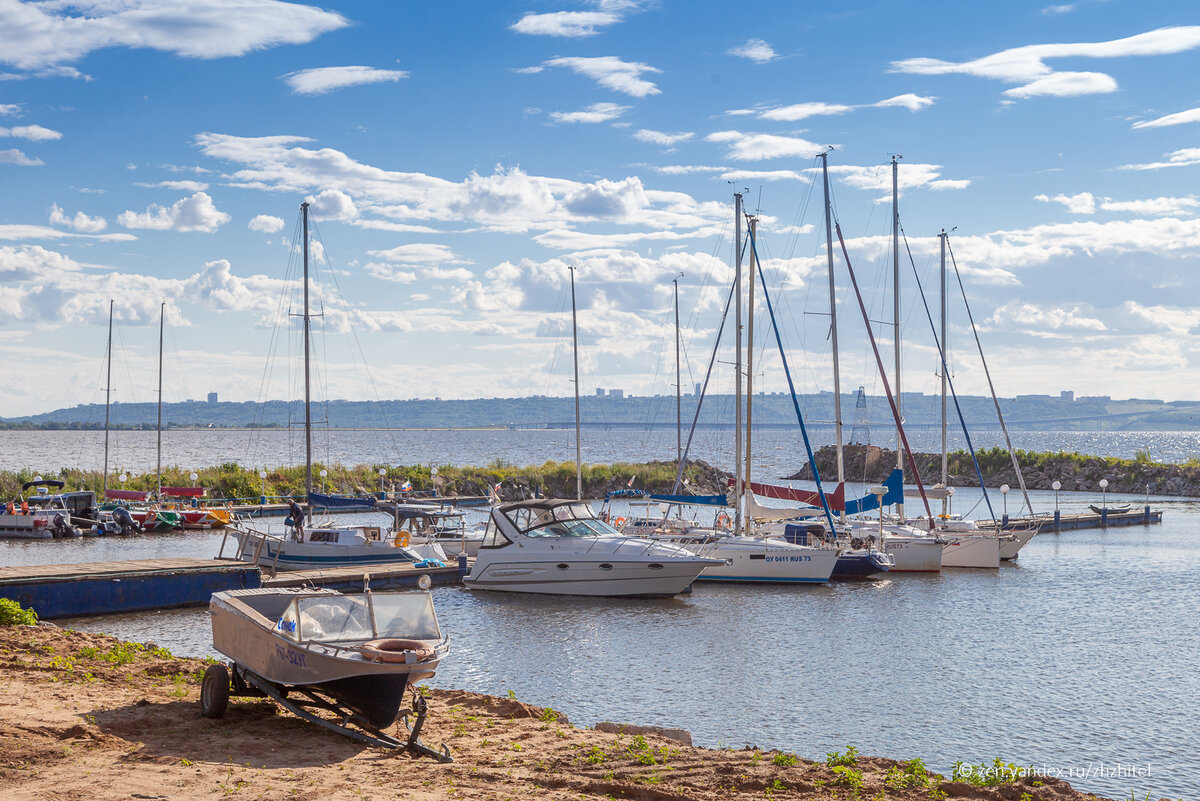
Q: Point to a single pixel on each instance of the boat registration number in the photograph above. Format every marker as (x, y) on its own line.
(289, 655)
(789, 558)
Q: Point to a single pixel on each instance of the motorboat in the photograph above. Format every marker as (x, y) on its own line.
(437, 525)
(559, 547)
(307, 547)
(42, 515)
(317, 650)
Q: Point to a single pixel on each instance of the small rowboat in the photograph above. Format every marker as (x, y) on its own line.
(315, 651)
(1120, 509)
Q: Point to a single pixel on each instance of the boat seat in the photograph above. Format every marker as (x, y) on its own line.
(398, 651)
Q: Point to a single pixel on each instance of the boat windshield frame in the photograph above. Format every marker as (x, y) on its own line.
(567, 520)
(410, 615)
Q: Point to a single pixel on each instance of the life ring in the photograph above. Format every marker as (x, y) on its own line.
(618, 523)
(401, 541)
(396, 651)
(723, 521)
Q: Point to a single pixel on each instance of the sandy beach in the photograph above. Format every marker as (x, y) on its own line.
(85, 716)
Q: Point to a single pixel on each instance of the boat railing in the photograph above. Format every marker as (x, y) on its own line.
(258, 539)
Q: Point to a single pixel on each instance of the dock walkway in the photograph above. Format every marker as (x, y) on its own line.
(1056, 521)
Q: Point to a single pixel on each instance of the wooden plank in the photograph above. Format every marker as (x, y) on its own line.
(72, 571)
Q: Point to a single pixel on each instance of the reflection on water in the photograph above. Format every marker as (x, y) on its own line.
(1081, 654)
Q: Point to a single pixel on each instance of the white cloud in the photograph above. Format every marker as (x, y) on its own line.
(10, 109)
(265, 223)
(1152, 206)
(178, 186)
(333, 204)
(80, 222)
(597, 112)
(1045, 318)
(909, 101)
(611, 73)
(33, 133)
(565, 23)
(1178, 118)
(320, 80)
(661, 138)
(878, 178)
(21, 233)
(1064, 8)
(423, 253)
(195, 213)
(1082, 203)
(1027, 65)
(685, 169)
(756, 50)
(41, 35)
(14, 156)
(800, 111)
(763, 175)
(1177, 158)
(757, 147)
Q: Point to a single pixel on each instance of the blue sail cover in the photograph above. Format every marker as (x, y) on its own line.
(895, 494)
(700, 500)
(323, 501)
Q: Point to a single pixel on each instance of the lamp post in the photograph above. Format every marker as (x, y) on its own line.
(382, 473)
(262, 474)
(323, 474)
(1004, 488)
(1103, 493)
(122, 478)
(1056, 486)
(879, 492)
(194, 476)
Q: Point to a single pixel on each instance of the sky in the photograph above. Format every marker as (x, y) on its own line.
(464, 159)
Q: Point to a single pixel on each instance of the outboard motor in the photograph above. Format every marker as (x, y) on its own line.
(63, 527)
(125, 521)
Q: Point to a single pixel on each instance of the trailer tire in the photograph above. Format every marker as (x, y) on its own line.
(214, 692)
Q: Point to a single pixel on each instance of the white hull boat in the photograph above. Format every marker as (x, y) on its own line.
(331, 546)
(971, 550)
(354, 655)
(764, 560)
(559, 547)
(914, 554)
(1011, 547)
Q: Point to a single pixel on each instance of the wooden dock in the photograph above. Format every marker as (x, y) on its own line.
(1056, 521)
(104, 588)
(397, 575)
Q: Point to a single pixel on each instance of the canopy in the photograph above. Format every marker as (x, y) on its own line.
(340, 501)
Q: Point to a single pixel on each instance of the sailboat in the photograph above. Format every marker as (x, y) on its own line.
(315, 546)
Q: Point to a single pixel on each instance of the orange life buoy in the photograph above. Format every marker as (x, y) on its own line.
(396, 651)
(402, 539)
(619, 522)
(722, 521)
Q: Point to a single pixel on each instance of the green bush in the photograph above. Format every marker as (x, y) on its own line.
(11, 614)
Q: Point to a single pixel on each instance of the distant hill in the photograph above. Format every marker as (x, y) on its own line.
(1029, 412)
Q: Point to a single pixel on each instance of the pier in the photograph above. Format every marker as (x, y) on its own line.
(1056, 521)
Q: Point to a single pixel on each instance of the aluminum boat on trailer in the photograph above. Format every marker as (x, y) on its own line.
(351, 657)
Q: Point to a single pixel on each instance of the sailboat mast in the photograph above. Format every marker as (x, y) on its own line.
(896, 318)
(678, 385)
(162, 313)
(107, 394)
(308, 485)
(753, 222)
(575, 351)
(737, 361)
(833, 329)
(945, 377)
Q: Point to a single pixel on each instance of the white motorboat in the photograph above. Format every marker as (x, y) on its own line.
(560, 547)
(44, 516)
(445, 528)
(352, 655)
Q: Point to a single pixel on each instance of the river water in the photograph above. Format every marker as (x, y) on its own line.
(1078, 660)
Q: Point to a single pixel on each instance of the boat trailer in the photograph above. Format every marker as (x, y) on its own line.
(221, 682)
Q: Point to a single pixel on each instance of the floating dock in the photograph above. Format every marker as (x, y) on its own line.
(1056, 521)
(399, 575)
(105, 588)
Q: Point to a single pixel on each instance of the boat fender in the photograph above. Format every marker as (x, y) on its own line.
(397, 651)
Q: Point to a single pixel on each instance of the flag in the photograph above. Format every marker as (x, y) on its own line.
(631, 478)
(406, 486)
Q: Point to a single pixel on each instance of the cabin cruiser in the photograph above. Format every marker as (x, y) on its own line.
(306, 547)
(435, 525)
(43, 516)
(319, 650)
(560, 547)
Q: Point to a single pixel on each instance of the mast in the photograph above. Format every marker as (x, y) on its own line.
(107, 394)
(737, 361)
(753, 222)
(307, 382)
(678, 385)
(833, 337)
(896, 319)
(575, 351)
(162, 313)
(945, 376)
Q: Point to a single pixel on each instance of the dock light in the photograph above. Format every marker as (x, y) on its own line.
(323, 474)
(122, 478)
(879, 492)
(1056, 486)
(382, 473)
(37, 478)
(433, 472)
(1004, 488)
(262, 474)
(194, 476)
(1103, 491)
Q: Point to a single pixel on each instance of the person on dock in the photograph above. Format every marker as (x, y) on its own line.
(296, 519)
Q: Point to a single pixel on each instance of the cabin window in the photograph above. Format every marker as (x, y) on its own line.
(493, 538)
(405, 614)
(335, 617)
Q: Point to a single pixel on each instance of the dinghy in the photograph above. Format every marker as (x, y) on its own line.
(314, 650)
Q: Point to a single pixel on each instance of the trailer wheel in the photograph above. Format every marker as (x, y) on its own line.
(214, 692)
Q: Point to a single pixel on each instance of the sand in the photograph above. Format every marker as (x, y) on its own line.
(83, 716)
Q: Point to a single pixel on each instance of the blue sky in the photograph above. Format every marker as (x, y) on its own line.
(461, 157)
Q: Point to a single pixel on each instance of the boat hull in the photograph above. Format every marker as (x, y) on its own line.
(971, 550)
(316, 555)
(1010, 548)
(756, 562)
(914, 554)
(580, 577)
(859, 565)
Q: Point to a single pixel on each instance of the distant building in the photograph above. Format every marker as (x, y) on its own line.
(1100, 398)
(1067, 395)
(599, 392)
(212, 398)
(698, 387)
(1027, 398)
(616, 393)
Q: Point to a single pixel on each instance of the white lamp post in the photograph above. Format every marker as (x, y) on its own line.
(122, 478)
(879, 492)
(1103, 491)
(1004, 488)
(323, 474)
(194, 476)
(382, 473)
(1056, 486)
(262, 474)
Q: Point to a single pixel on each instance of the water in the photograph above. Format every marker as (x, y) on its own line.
(1078, 660)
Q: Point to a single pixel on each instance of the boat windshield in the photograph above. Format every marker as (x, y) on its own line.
(348, 617)
(572, 520)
